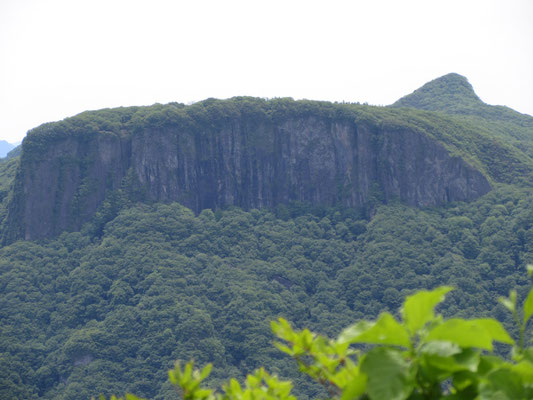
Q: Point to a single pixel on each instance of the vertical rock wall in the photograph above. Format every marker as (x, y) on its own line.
(312, 160)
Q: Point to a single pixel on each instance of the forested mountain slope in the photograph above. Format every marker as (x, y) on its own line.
(131, 280)
(452, 94)
(81, 316)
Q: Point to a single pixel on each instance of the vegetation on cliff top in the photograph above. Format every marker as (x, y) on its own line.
(452, 94)
(498, 158)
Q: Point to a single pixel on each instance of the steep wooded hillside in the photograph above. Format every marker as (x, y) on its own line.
(453, 94)
(81, 316)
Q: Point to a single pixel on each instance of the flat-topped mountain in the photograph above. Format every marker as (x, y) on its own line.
(255, 153)
(359, 208)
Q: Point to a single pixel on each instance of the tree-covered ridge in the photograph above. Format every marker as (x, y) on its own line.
(450, 93)
(453, 94)
(82, 315)
(480, 146)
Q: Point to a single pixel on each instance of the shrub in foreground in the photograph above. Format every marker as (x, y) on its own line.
(421, 356)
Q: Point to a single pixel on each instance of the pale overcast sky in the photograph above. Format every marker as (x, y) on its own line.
(61, 57)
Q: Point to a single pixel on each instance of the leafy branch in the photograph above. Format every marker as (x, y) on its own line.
(421, 356)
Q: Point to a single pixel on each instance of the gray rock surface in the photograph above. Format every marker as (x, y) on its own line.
(307, 159)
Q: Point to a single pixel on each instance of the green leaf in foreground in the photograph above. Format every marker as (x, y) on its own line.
(355, 387)
(463, 333)
(528, 306)
(502, 384)
(418, 308)
(525, 370)
(386, 330)
(495, 330)
(449, 357)
(389, 374)
(509, 303)
(479, 333)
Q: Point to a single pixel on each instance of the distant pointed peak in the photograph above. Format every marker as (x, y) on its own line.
(447, 92)
(453, 83)
(452, 76)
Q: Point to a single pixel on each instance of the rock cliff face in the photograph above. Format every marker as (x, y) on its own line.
(308, 159)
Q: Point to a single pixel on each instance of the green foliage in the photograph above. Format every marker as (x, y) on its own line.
(8, 169)
(435, 352)
(82, 315)
(419, 308)
(430, 358)
(105, 310)
(384, 331)
(259, 385)
(453, 95)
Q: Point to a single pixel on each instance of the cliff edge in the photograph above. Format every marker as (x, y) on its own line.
(245, 152)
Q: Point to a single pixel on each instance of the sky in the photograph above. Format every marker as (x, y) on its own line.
(61, 57)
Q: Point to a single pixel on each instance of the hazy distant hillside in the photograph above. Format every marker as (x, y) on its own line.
(5, 148)
(15, 152)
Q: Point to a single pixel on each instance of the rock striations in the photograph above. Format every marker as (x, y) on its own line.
(241, 160)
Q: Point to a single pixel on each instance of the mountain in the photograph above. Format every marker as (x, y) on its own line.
(5, 148)
(453, 94)
(450, 93)
(250, 153)
(137, 236)
(254, 153)
(15, 152)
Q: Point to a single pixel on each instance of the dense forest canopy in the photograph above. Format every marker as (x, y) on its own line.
(108, 309)
(81, 316)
